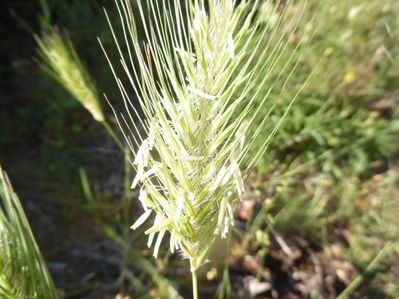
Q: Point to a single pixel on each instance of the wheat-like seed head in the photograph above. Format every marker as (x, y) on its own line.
(61, 62)
(23, 272)
(194, 80)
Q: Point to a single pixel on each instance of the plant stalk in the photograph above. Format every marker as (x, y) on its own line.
(370, 268)
(113, 135)
(195, 284)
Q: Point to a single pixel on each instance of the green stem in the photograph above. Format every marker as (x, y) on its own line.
(370, 268)
(126, 203)
(226, 273)
(113, 135)
(195, 284)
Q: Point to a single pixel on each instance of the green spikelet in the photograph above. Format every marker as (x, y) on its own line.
(194, 80)
(61, 61)
(23, 273)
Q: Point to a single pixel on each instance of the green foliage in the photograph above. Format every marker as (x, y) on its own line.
(344, 116)
(330, 163)
(344, 124)
(23, 272)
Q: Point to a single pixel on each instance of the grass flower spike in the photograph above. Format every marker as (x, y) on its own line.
(23, 272)
(194, 80)
(63, 64)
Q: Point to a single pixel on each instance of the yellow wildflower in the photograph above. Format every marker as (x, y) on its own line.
(350, 77)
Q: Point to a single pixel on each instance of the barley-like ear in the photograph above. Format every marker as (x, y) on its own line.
(194, 80)
(23, 273)
(61, 61)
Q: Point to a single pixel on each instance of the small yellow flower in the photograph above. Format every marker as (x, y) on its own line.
(350, 77)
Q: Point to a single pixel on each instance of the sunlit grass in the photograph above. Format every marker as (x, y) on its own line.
(61, 61)
(23, 272)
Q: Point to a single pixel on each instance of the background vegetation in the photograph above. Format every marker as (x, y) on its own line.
(320, 215)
